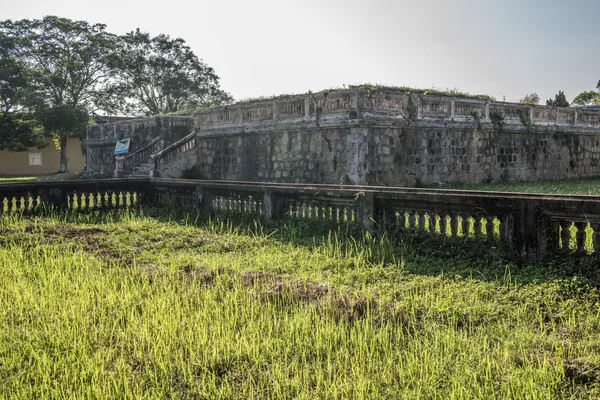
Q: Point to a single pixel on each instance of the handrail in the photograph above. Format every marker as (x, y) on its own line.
(530, 224)
(172, 146)
(169, 153)
(141, 154)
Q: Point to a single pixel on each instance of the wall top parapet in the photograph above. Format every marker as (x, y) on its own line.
(360, 104)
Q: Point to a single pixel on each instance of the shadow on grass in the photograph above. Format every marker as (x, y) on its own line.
(418, 253)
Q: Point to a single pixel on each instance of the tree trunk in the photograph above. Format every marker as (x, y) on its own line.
(63, 153)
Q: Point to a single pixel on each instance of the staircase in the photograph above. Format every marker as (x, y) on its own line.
(143, 162)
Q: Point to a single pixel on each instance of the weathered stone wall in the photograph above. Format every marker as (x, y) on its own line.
(101, 138)
(428, 155)
(398, 156)
(386, 138)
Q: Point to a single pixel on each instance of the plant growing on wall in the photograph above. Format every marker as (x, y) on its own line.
(531, 99)
(497, 118)
(560, 100)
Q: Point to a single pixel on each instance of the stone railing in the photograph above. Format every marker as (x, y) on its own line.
(174, 150)
(79, 196)
(359, 104)
(531, 225)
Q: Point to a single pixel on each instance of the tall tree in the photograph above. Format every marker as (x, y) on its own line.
(560, 100)
(18, 130)
(163, 75)
(67, 67)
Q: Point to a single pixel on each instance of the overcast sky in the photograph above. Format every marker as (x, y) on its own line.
(504, 48)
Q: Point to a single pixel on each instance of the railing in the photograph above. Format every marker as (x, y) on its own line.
(78, 196)
(173, 151)
(130, 160)
(357, 103)
(143, 154)
(531, 225)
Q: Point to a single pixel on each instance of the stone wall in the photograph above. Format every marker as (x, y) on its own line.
(101, 138)
(388, 138)
(398, 156)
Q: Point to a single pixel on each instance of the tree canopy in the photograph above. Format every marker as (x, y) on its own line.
(560, 100)
(162, 75)
(589, 97)
(55, 72)
(531, 99)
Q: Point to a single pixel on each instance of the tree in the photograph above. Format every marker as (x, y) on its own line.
(589, 97)
(531, 98)
(560, 100)
(162, 75)
(18, 130)
(67, 70)
(64, 121)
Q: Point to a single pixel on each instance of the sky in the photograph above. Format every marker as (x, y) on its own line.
(504, 48)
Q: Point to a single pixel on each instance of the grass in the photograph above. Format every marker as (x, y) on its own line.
(162, 305)
(16, 178)
(580, 186)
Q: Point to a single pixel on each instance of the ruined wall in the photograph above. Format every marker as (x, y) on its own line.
(398, 156)
(378, 138)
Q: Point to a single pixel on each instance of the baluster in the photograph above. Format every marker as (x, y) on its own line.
(433, 222)
(98, 201)
(489, 227)
(346, 216)
(84, 202)
(580, 236)
(596, 237)
(464, 225)
(454, 223)
(413, 219)
(423, 225)
(565, 235)
(480, 226)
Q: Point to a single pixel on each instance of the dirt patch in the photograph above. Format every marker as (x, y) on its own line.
(581, 373)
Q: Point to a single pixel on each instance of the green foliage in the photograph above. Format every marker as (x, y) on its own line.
(585, 186)
(587, 98)
(525, 119)
(560, 100)
(161, 75)
(531, 99)
(433, 91)
(497, 118)
(63, 121)
(19, 132)
(65, 66)
(373, 88)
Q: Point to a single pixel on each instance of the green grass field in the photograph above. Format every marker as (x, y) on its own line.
(172, 306)
(582, 186)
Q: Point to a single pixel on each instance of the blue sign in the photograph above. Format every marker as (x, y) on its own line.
(122, 147)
